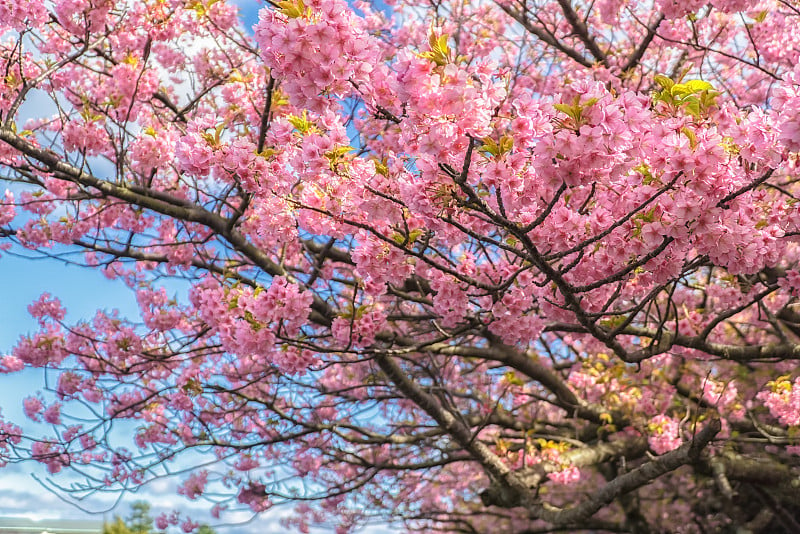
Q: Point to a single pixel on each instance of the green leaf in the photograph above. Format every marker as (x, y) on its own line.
(679, 89)
(218, 133)
(439, 51)
(337, 154)
(664, 81)
(506, 144)
(512, 378)
(381, 167)
(567, 109)
(414, 235)
(292, 10)
(301, 123)
(691, 135)
(694, 96)
(442, 44)
(490, 147)
(695, 86)
(613, 321)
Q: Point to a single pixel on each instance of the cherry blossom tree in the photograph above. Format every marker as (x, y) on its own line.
(515, 266)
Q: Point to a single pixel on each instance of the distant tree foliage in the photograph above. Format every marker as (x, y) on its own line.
(141, 522)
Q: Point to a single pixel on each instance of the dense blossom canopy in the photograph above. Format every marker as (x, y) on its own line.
(511, 266)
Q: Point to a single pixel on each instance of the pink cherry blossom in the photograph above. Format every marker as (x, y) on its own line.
(456, 266)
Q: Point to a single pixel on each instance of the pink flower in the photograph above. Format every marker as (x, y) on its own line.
(187, 525)
(569, 475)
(162, 522)
(782, 398)
(7, 209)
(21, 14)
(195, 485)
(664, 434)
(32, 406)
(254, 495)
(47, 306)
(52, 414)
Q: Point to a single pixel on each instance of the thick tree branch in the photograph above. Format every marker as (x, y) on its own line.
(687, 453)
(495, 468)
